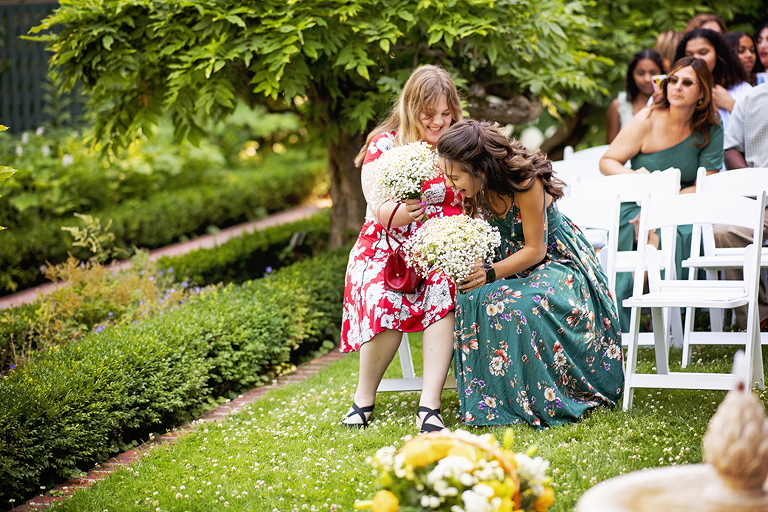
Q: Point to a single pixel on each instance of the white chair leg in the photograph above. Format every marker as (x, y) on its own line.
(689, 313)
(660, 342)
(406, 361)
(715, 315)
(631, 365)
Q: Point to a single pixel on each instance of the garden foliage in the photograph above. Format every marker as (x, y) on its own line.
(96, 297)
(279, 183)
(77, 404)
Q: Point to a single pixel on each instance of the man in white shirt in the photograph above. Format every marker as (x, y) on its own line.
(746, 145)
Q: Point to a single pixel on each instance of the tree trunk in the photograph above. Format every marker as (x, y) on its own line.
(348, 211)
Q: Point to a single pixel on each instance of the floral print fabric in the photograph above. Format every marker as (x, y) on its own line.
(541, 347)
(369, 307)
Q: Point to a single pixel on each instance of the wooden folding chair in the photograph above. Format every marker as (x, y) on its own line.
(694, 209)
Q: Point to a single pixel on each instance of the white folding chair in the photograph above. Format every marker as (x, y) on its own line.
(593, 153)
(634, 188)
(570, 171)
(603, 217)
(409, 381)
(694, 209)
(705, 255)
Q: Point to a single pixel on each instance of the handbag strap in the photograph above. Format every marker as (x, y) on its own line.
(389, 226)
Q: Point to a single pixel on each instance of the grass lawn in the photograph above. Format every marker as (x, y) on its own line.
(287, 452)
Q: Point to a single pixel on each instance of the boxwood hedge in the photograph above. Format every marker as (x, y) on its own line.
(283, 180)
(75, 405)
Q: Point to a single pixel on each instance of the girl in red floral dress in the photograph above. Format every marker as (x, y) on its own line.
(375, 317)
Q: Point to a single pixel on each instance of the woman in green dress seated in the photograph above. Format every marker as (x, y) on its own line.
(536, 336)
(683, 131)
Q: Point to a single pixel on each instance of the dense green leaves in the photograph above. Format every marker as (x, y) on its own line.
(140, 58)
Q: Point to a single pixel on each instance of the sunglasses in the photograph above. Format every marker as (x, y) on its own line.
(687, 82)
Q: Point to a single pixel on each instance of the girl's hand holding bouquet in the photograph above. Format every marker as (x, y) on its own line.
(399, 174)
(452, 244)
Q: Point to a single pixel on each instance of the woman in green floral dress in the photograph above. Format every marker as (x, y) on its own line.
(537, 337)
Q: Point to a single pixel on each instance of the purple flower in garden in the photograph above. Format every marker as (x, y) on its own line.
(99, 329)
(141, 273)
(184, 284)
(170, 270)
(269, 269)
(162, 272)
(42, 268)
(13, 366)
(152, 278)
(197, 288)
(110, 313)
(467, 392)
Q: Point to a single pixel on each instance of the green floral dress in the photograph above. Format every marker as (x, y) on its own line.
(543, 346)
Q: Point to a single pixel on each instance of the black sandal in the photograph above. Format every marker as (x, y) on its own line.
(360, 411)
(425, 427)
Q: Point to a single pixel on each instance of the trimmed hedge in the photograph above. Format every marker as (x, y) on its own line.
(284, 181)
(250, 256)
(74, 405)
(235, 261)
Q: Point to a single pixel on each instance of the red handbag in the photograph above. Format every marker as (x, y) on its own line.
(398, 275)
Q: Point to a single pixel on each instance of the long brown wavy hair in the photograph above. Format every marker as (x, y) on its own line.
(705, 114)
(500, 165)
(421, 92)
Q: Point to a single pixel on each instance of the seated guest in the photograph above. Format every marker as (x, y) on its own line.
(728, 75)
(682, 131)
(638, 90)
(708, 21)
(761, 45)
(743, 47)
(666, 46)
(537, 339)
(746, 145)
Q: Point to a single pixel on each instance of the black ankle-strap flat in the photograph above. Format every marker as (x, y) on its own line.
(425, 427)
(360, 411)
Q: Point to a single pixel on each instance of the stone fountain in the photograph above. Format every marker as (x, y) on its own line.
(731, 479)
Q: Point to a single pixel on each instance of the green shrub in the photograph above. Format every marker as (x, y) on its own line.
(252, 255)
(282, 182)
(96, 296)
(74, 405)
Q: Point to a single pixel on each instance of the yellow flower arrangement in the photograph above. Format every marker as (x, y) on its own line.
(459, 472)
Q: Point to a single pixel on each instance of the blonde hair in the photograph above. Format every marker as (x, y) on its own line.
(421, 93)
(666, 45)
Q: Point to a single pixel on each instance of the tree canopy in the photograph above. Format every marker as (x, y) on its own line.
(336, 63)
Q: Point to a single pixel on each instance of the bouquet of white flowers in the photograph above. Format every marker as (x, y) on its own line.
(459, 472)
(400, 173)
(451, 243)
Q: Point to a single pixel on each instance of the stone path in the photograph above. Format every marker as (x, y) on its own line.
(302, 373)
(202, 242)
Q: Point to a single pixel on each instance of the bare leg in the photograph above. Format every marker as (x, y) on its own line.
(375, 356)
(438, 352)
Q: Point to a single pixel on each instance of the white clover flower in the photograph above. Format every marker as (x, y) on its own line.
(46, 151)
(533, 471)
(67, 160)
(40, 131)
(400, 172)
(452, 243)
(19, 151)
(25, 138)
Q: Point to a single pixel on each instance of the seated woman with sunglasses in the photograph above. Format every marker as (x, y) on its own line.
(683, 131)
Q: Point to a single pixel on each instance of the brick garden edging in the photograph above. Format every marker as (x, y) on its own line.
(100, 471)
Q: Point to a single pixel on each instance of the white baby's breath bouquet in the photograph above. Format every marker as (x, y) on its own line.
(400, 173)
(451, 243)
(459, 472)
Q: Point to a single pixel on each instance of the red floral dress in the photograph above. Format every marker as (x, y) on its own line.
(369, 307)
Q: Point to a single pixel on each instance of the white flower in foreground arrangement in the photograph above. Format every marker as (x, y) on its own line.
(400, 173)
(452, 244)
